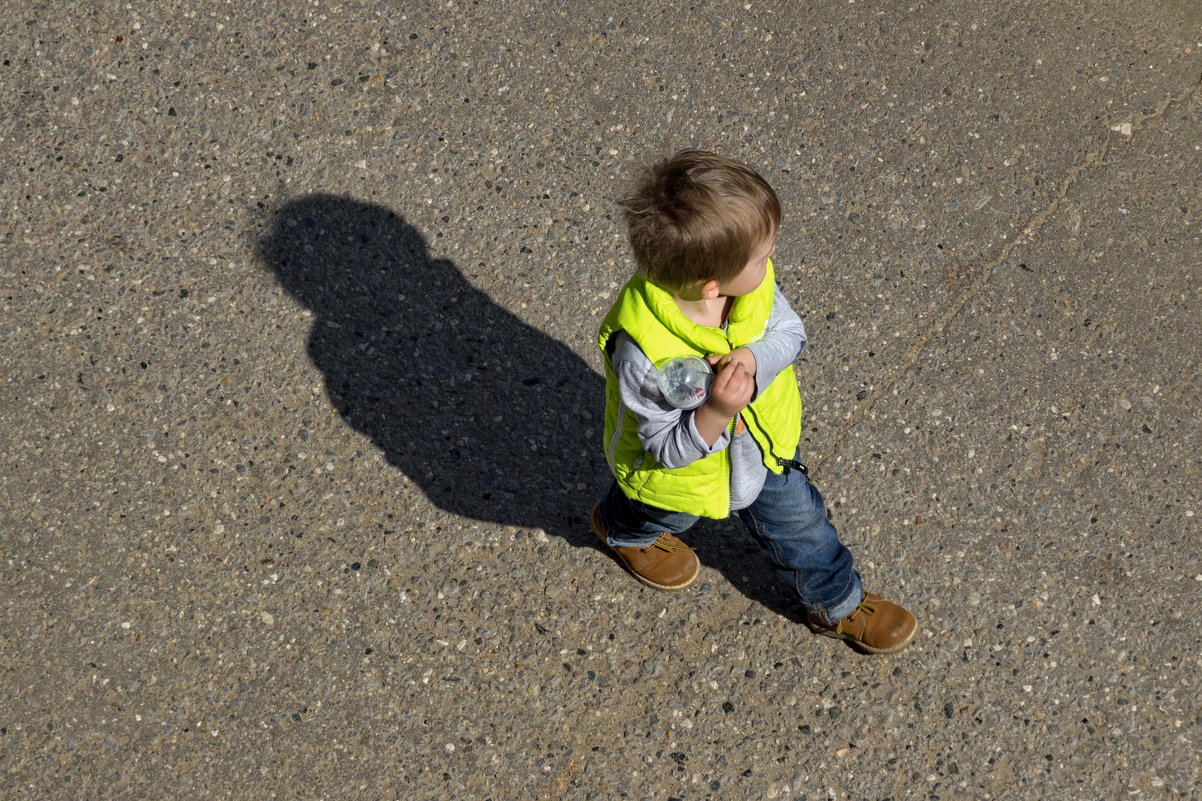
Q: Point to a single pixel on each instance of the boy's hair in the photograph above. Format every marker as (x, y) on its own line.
(698, 216)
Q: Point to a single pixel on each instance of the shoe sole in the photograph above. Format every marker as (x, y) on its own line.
(641, 579)
(859, 646)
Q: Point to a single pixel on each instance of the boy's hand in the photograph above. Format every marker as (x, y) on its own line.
(729, 394)
(732, 389)
(743, 356)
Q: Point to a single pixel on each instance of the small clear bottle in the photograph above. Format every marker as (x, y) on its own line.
(685, 381)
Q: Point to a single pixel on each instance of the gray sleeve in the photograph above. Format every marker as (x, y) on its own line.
(783, 340)
(669, 434)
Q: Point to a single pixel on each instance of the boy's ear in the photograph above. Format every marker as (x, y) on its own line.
(709, 289)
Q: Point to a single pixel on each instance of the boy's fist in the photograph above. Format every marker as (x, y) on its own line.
(731, 390)
(742, 355)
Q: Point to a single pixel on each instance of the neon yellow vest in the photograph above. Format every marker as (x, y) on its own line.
(653, 320)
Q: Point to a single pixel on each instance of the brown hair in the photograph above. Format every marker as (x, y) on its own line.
(698, 216)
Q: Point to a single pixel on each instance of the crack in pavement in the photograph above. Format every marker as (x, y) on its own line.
(981, 278)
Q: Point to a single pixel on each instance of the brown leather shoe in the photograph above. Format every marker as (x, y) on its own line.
(876, 626)
(666, 564)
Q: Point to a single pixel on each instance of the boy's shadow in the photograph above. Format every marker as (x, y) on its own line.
(493, 419)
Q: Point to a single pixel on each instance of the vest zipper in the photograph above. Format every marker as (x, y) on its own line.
(730, 464)
(764, 433)
(793, 463)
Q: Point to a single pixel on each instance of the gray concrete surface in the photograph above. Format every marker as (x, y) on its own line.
(300, 400)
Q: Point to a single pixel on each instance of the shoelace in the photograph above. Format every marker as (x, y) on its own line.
(865, 605)
(663, 544)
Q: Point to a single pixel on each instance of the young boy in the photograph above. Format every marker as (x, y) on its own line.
(703, 231)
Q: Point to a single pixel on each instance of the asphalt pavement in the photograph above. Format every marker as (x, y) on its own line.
(300, 401)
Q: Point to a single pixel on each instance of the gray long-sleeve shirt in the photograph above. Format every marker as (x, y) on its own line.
(670, 434)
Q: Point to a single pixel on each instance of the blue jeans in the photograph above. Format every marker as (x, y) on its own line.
(788, 520)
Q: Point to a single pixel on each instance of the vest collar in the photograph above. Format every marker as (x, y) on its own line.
(744, 323)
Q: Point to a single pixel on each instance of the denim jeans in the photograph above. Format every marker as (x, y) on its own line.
(788, 520)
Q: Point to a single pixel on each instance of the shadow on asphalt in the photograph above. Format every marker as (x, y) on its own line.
(493, 419)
